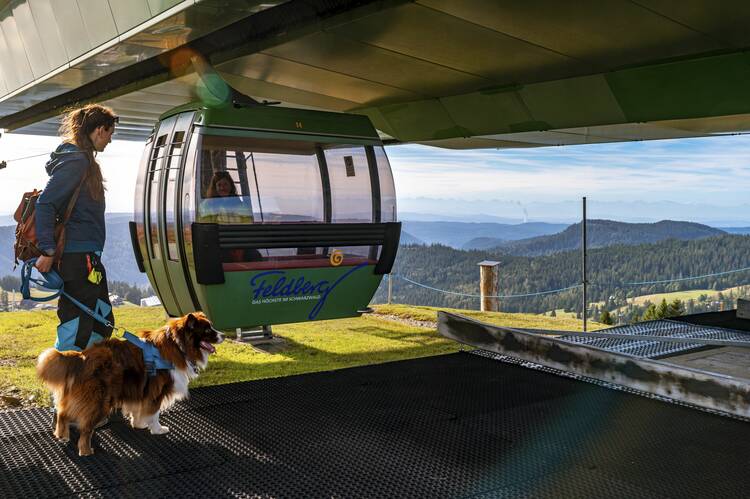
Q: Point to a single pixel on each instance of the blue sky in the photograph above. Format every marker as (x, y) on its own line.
(691, 172)
(713, 170)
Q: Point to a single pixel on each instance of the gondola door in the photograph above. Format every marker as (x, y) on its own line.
(172, 245)
(154, 199)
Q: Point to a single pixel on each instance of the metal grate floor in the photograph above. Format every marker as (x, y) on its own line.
(664, 327)
(457, 425)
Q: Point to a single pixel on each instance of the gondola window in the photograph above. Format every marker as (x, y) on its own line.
(172, 172)
(155, 168)
(250, 180)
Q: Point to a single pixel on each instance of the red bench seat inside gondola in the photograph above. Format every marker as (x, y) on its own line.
(294, 262)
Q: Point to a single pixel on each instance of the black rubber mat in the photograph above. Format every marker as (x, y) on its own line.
(458, 425)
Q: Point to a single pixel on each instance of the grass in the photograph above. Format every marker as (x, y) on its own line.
(658, 297)
(682, 295)
(560, 312)
(24, 334)
(309, 347)
(323, 346)
(34, 292)
(529, 321)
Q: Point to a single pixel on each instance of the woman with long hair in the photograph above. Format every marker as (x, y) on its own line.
(221, 186)
(223, 205)
(74, 171)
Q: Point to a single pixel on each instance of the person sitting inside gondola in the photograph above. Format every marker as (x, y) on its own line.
(223, 205)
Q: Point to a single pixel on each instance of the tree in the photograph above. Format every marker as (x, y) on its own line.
(10, 282)
(523, 274)
(650, 314)
(675, 308)
(606, 318)
(663, 310)
(690, 307)
(134, 296)
(4, 305)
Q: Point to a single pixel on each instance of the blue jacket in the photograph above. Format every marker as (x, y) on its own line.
(85, 230)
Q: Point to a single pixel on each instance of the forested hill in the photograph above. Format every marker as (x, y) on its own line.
(407, 238)
(456, 270)
(603, 233)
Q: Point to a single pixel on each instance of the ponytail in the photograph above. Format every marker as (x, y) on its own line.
(76, 127)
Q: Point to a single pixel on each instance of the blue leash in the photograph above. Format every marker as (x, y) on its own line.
(53, 282)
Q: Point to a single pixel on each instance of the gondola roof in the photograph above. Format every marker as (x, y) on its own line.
(281, 119)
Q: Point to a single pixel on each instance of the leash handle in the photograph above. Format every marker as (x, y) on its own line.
(51, 281)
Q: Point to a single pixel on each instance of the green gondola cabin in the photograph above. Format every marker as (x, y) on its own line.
(264, 215)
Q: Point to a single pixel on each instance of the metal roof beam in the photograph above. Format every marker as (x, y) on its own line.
(263, 29)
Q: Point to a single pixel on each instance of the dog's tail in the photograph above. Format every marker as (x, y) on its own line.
(58, 369)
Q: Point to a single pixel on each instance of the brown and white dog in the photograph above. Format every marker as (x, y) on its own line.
(111, 374)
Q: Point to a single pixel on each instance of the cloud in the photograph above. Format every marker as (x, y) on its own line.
(714, 169)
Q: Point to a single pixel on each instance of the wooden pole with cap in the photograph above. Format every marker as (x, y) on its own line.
(488, 279)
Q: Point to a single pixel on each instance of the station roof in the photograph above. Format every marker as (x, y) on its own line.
(469, 74)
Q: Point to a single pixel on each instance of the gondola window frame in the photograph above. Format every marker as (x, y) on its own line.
(172, 168)
(152, 196)
(372, 166)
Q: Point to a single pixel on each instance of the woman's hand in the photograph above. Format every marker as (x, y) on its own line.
(44, 263)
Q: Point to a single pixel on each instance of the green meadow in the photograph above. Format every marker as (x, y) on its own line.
(387, 335)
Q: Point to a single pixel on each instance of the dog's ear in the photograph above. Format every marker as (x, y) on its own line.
(191, 321)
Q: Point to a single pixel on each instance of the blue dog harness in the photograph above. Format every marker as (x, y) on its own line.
(52, 281)
(152, 358)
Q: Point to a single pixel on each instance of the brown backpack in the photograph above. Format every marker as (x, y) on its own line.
(26, 241)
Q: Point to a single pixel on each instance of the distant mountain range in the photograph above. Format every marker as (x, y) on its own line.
(526, 239)
(539, 238)
(567, 212)
(407, 238)
(603, 233)
(458, 234)
(736, 230)
(118, 255)
(468, 218)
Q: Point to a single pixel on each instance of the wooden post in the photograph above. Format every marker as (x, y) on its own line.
(488, 279)
(390, 288)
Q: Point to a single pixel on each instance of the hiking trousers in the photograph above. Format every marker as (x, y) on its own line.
(77, 329)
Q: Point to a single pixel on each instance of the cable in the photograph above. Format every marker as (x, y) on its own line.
(26, 157)
(551, 291)
(691, 278)
(479, 296)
